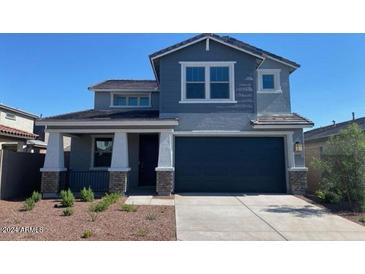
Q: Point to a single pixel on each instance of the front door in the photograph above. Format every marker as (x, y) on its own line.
(148, 159)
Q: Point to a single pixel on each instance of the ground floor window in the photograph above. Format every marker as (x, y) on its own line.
(103, 152)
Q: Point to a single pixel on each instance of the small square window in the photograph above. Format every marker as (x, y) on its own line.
(268, 81)
(10, 116)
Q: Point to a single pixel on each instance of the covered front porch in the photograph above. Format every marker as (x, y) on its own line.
(110, 160)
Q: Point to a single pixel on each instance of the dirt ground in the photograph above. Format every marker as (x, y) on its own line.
(46, 222)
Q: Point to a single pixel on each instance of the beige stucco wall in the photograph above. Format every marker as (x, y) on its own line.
(21, 122)
(313, 150)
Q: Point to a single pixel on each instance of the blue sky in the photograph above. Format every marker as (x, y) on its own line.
(49, 73)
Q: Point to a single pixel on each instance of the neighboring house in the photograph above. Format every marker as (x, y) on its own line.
(315, 141)
(216, 119)
(16, 130)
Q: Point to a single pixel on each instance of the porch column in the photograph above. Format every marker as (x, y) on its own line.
(165, 171)
(297, 176)
(53, 171)
(118, 171)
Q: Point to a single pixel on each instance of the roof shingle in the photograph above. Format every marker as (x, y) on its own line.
(127, 85)
(282, 119)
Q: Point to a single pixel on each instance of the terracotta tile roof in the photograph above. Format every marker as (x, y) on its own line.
(16, 132)
(282, 119)
(126, 84)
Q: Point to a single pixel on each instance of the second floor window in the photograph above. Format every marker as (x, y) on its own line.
(211, 82)
(121, 100)
(10, 116)
(269, 81)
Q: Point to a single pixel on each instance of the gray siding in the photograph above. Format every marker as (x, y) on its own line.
(102, 100)
(80, 155)
(170, 79)
(275, 103)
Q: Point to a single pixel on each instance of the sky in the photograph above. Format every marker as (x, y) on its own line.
(49, 74)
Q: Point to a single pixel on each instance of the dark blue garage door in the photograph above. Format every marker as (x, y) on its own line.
(230, 164)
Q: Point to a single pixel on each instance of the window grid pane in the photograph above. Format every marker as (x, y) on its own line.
(268, 81)
(219, 74)
(195, 74)
(120, 100)
(144, 101)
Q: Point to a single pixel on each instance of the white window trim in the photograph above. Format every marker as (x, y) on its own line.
(93, 137)
(277, 84)
(11, 116)
(138, 95)
(207, 66)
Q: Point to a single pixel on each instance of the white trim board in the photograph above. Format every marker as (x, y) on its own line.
(66, 131)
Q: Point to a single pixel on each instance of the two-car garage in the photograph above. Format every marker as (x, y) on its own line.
(230, 164)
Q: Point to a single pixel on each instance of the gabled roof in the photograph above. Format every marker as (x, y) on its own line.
(17, 133)
(331, 130)
(138, 85)
(226, 40)
(19, 111)
(291, 119)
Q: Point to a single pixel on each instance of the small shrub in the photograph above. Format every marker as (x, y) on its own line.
(29, 204)
(362, 219)
(128, 208)
(87, 234)
(332, 198)
(320, 195)
(112, 198)
(67, 198)
(105, 202)
(151, 217)
(141, 232)
(87, 195)
(68, 211)
(36, 196)
(93, 215)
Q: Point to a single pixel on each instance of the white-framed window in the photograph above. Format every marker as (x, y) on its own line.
(130, 100)
(101, 152)
(207, 82)
(10, 116)
(268, 81)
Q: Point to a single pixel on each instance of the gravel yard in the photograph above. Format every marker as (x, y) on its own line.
(156, 223)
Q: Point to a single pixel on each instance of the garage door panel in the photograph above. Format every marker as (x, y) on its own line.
(219, 164)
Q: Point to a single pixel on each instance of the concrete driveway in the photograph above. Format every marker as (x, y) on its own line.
(258, 217)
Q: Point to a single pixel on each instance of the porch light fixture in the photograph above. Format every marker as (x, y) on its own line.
(298, 147)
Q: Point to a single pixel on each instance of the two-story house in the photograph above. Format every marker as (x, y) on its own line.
(17, 130)
(217, 118)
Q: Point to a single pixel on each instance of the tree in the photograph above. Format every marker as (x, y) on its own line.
(343, 167)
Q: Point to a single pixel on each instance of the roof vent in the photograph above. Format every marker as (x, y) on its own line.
(333, 122)
(353, 116)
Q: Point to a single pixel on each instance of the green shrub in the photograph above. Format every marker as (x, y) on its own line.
(105, 202)
(67, 198)
(29, 204)
(68, 211)
(128, 208)
(320, 195)
(342, 167)
(36, 196)
(332, 197)
(362, 219)
(87, 195)
(87, 234)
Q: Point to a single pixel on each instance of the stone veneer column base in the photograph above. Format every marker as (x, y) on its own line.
(118, 181)
(165, 182)
(298, 181)
(51, 183)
